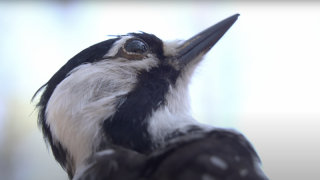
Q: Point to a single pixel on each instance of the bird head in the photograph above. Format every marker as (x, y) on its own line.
(129, 92)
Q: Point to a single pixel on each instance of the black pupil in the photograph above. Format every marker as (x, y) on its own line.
(136, 46)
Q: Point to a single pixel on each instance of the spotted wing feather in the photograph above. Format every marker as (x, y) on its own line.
(216, 155)
(219, 155)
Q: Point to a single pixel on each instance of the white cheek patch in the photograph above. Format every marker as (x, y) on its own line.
(89, 95)
(116, 46)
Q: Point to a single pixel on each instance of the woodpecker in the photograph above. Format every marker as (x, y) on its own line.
(120, 110)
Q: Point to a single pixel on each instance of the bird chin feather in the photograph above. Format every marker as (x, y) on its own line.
(176, 114)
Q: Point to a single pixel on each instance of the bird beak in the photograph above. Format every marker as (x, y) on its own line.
(203, 42)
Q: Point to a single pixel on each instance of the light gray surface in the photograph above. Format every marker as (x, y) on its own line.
(262, 78)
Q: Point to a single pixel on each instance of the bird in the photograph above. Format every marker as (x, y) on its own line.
(120, 109)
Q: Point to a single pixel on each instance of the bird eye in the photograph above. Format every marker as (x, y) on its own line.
(136, 46)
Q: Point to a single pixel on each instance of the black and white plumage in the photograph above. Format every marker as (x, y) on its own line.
(120, 110)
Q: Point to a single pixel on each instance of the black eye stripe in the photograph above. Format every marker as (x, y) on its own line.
(136, 46)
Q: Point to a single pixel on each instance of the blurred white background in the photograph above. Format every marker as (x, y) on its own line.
(262, 78)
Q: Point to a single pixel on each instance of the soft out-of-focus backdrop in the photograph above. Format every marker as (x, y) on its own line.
(262, 78)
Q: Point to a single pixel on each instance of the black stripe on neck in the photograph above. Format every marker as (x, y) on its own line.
(129, 125)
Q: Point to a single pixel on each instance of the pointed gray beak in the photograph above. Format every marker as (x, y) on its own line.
(203, 42)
